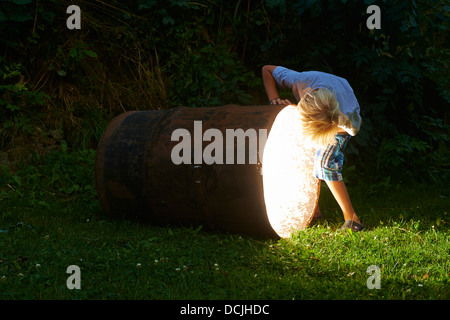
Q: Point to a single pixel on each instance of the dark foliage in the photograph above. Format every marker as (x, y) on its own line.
(153, 54)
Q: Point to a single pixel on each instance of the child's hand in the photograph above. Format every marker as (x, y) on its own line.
(279, 101)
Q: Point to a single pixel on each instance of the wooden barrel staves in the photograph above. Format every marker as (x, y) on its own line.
(188, 166)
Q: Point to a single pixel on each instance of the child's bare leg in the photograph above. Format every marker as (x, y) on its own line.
(340, 193)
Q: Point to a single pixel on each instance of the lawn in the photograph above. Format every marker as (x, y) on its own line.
(50, 219)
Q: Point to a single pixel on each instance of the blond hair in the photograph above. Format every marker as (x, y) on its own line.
(319, 114)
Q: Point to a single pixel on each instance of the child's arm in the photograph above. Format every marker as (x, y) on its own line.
(271, 86)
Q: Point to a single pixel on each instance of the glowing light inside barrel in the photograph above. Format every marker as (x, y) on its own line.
(290, 189)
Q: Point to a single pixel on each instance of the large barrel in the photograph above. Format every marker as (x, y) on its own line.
(137, 177)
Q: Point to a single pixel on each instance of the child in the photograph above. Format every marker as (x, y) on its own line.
(329, 112)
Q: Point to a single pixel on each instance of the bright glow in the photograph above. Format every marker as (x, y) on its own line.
(290, 190)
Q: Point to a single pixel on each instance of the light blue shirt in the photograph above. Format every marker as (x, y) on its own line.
(349, 119)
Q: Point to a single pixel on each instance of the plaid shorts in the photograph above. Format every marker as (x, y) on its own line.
(328, 162)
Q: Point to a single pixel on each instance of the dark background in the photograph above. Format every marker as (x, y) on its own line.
(59, 88)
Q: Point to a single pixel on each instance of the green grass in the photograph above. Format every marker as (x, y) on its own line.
(50, 219)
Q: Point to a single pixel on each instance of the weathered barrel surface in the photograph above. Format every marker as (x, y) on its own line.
(137, 179)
